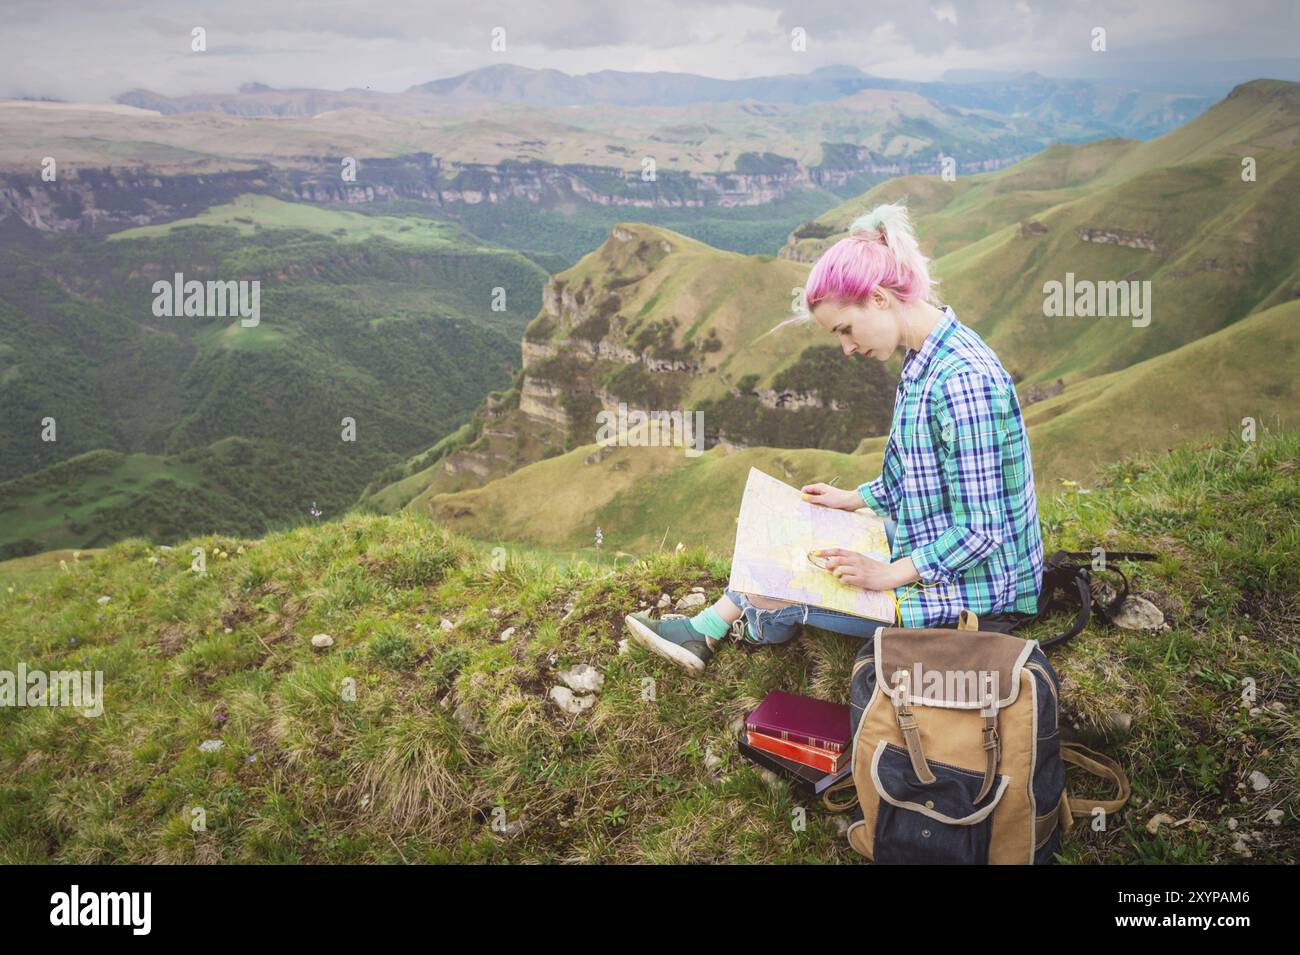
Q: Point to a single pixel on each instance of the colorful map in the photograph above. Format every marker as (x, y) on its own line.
(775, 531)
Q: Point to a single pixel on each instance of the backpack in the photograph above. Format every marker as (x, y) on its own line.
(956, 750)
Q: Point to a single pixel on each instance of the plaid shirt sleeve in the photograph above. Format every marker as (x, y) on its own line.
(876, 495)
(972, 415)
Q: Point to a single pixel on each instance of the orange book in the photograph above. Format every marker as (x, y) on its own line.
(814, 756)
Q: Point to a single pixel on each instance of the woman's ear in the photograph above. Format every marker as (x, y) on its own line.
(880, 298)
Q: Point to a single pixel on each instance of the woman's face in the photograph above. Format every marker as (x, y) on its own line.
(869, 328)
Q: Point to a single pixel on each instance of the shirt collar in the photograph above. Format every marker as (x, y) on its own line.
(914, 364)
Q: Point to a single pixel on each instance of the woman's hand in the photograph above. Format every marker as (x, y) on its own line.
(859, 570)
(844, 499)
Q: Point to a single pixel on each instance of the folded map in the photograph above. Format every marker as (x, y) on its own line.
(774, 533)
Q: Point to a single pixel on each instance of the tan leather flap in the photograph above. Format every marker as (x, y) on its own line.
(950, 668)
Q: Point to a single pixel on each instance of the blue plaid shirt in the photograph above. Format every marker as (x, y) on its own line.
(957, 477)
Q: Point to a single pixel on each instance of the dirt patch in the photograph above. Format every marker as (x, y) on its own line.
(171, 639)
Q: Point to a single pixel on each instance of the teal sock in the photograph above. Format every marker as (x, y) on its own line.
(710, 624)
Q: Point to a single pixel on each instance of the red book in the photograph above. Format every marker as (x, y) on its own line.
(801, 719)
(822, 759)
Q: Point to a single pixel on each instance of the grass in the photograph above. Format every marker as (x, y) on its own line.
(405, 742)
(250, 214)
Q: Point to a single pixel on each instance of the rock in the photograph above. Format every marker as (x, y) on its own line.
(1241, 848)
(691, 601)
(737, 725)
(664, 601)
(1158, 820)
(1232, 825)
(103, 600)
(446, 625)
(507, 633)
(569, 702)
(584, 678)
(210, 745)
(465, 717)
(1138, 613)
(510, 829)
(697, 590)
(322, 640)
(623, 647)
(1273, 817)
(1259, 782)
(712, 760)
(495, 611)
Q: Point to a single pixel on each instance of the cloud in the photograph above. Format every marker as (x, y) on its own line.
(94, 49)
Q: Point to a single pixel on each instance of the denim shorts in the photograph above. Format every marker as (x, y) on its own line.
(782, 624)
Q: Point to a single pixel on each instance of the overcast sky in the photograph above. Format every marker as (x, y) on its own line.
(95, 49)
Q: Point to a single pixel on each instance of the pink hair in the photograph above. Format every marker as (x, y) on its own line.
(880, 250)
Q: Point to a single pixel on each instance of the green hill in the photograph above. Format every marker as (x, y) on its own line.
(386, 321)
(403, 741)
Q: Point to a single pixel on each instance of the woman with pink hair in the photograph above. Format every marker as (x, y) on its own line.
(956, 485)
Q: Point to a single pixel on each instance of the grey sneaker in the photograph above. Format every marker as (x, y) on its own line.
(674, 639)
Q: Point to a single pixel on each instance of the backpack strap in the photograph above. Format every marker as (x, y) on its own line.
(842, 796)
(1098, 765)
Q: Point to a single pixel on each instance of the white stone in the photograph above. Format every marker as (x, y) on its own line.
(1273, 817)
(210, 745)
(322, 640)
(1259, 782)
(102, 600)
(1138, 613)
(664, 601)
(623, 647)
(584, 678)
(507, 633)
(569, 702)
(446, 624)
(691, 601)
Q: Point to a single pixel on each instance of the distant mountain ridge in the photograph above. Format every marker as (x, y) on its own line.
(1093, 108)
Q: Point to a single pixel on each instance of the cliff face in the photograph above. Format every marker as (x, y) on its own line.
(105, 200)
(651, 321)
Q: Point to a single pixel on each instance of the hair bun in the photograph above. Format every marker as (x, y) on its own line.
(869, 226)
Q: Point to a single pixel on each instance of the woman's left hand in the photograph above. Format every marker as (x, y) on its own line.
(859, 570)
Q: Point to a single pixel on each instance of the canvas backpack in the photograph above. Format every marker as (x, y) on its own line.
(956, 750)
